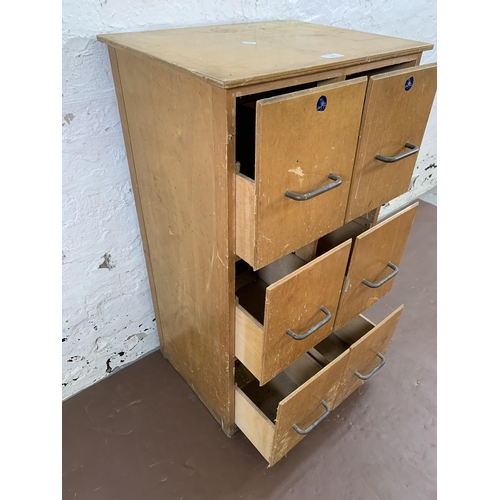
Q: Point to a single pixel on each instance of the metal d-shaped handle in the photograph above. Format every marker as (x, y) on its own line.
(307, 196)
(375, 370)
(296, 428)
(311, 330)
(391, 159)
(385, 280)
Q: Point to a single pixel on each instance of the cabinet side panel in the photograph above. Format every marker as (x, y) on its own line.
(179, 139)
(133, 178)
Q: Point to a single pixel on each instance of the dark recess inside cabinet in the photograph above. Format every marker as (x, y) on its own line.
(245, 125)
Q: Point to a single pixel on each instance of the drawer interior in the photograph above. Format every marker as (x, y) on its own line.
(245, 126)
(251, 285)
(267, 397)
(351, 230)
(266, 414)
(336, 343)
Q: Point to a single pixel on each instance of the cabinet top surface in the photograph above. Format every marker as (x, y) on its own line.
(235, 55)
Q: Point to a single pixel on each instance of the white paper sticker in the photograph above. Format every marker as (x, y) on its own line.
(332, 56)
(249, 43)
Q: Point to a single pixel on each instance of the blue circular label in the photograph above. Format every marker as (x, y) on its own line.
(409, 83)
(321, 104)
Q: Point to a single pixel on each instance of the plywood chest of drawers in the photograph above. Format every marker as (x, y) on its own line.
(260, 155)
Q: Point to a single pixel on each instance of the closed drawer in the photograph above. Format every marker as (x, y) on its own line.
(395, 115)
(373, 265)
(305, 145)
(280, 318)
(278, 415)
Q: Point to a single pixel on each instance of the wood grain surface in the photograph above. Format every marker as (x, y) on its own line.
(179, 130)
(392, 117)
(256, 426)
(303, 406)
(135, 185)
(238, 55)
(385, 242)
(294, 303)
(176, 92)
(363, 354)
(249, 341)
(245, 218)
(297, 147)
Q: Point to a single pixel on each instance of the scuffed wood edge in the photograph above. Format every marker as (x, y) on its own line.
(224, 117)
(351, 70)
(326, 77)
(285, 78)
(307, 266)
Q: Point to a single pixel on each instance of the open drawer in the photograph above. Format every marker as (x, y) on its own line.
(374, 262)
(285, 309)
(367, 345)
(395, 115)
(295, 176)
(276, 416)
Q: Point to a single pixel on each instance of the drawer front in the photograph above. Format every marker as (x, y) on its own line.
(298, 303)
(374, 264)
(296, 413)
(305, 143)
(364, 359)
(395, 114)
(306, 405)
(299, 312)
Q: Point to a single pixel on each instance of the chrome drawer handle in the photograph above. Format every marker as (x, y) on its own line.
(296, 428)
(375, 370)
(385, 280)
(311, 330)
(307, 196)
(391, 159)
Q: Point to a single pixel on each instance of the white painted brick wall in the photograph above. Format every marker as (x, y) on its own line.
(108, 318)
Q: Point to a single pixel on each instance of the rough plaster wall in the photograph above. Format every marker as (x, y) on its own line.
(108, 318)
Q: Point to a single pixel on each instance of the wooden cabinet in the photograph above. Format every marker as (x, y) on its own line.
(259, 156)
